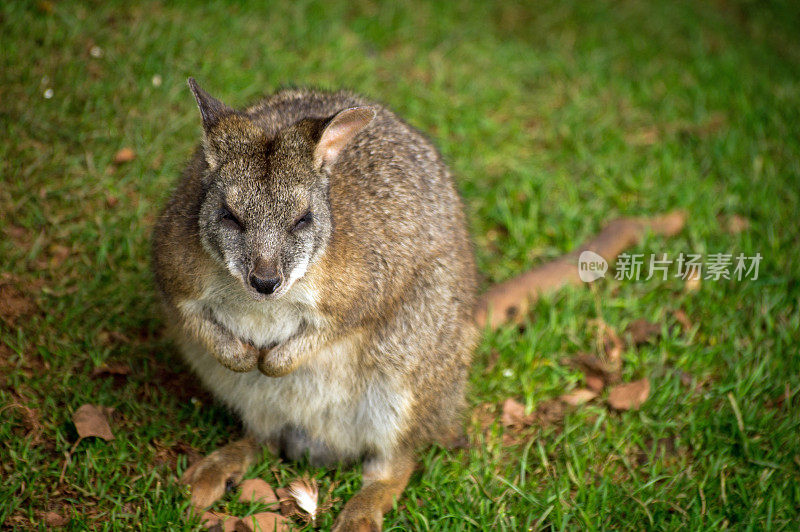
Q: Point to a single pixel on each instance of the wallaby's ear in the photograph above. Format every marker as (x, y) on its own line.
(340, 130)
(211, 109)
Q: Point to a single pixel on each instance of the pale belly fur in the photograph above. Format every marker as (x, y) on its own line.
(325, 397)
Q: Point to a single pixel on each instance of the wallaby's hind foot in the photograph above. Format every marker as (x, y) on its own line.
(224, 467)
(384, 481)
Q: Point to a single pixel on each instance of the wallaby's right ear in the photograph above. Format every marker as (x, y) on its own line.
(211, 109)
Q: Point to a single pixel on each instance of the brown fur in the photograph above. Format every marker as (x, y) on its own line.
(365, 355)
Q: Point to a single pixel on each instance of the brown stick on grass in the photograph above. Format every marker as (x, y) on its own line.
(510, 300)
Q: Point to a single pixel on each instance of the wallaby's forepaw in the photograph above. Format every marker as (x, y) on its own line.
(237, 355)
(358, 517)
(220, 470)
(279, 360)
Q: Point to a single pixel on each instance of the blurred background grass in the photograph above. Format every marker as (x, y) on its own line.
(555, 117)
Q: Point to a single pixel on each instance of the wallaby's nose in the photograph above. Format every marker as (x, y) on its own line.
(264, 286)
(264, 277)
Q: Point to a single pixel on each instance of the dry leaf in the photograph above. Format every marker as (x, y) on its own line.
(516, 422)
(288, 506)
(125, 155)
(598, 373)
(218, 522)
(91, 420)
(681, 317)
(612, 343)
(578, 397)
(595, 383)
(642, 331)
(513, 415)
(629, 396)
(257, 490)
(53, 519)
(513, 418)
(264, 522)
(734, 223)
(114, 368)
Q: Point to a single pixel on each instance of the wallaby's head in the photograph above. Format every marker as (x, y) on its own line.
(266, 215)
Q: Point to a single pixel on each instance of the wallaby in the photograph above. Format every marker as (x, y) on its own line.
(318, 277)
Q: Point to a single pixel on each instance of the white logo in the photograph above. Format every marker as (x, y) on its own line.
(591, 266)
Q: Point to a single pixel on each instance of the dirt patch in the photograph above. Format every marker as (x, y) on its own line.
(168, 454)
(178, 380)
(28, 418)
(642, 331)
(19, 236)
(14, 303)
(54, 519)
(518, 427)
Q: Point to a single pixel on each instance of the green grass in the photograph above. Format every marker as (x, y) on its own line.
(555, 116)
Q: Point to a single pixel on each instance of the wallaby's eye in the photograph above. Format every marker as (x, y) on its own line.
(303, 221)
(226, 217)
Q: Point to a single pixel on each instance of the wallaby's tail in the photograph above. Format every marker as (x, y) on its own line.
(509, 300)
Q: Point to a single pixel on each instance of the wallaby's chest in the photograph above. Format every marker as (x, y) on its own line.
(327, 407)
(259, 322)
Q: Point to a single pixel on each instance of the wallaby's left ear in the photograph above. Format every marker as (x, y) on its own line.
(339, 132)
(211, 109)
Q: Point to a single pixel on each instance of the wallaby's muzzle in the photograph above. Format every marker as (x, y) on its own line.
(264, 286)
(265, 278)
